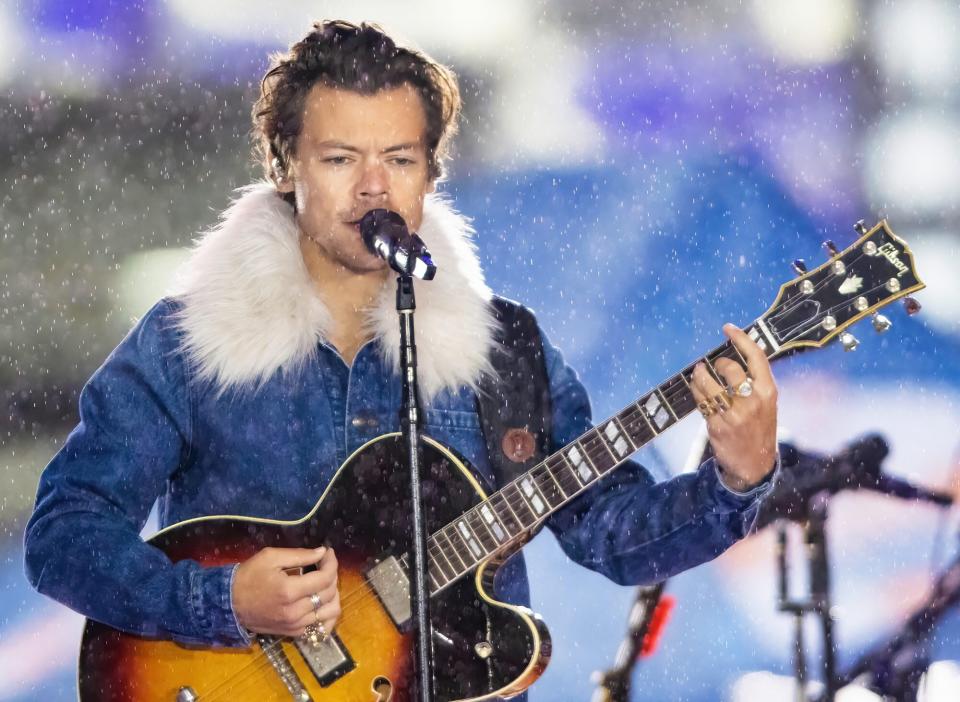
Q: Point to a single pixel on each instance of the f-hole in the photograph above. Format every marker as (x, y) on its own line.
(383, 689)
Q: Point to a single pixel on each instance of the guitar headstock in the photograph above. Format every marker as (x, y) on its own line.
(821, 304)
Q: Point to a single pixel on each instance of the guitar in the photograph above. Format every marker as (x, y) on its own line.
(483, 649)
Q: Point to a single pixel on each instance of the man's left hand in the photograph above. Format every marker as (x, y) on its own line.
(742, 429)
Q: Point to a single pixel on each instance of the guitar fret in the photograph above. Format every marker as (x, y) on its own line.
(572, 470)
(713, 371)
(484, 535)
(495, 526)
(508, 515)
(547, 487)
(469, 538)
(643, 413)
(532, 495)
(515, 486)
(656, 413)
(603, 440)
(463, 563)
(625, 433)
(563, 493)
(432, 549)
(565, 474)
(464, 553)
(743, 361)
(683, 399)
(575, 456)
(667, 404)
(599, 456)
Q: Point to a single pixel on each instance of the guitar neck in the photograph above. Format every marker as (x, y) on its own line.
(508, 515)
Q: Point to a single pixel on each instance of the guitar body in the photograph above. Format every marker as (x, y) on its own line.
(364, 515)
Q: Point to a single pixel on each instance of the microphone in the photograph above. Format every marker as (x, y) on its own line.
(857, 466)
(385, 234)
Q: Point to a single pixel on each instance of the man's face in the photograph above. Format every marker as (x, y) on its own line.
(356, 153)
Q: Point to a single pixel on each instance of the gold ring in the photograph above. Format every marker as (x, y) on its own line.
(745, 389)
(722, 402)
(706, 408)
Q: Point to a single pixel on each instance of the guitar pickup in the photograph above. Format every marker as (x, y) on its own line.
(392, 586)
(329, 661)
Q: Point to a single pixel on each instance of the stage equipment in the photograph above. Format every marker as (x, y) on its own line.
(808, 481)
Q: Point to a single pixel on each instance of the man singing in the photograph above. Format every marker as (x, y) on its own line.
(277, 357)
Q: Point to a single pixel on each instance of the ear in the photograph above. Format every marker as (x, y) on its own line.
(284, 179)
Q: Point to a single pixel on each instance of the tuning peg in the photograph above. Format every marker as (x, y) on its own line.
(831, 247)
(881, 323)
(849, 341)
(860, 227)
(911, 305)
(799, 266)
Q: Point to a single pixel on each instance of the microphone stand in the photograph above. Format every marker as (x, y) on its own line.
(819, 600)
(410, 429)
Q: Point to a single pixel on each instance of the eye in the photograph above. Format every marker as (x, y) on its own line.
(403, 161)
(337, 160)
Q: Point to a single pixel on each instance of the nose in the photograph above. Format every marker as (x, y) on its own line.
(374, 182)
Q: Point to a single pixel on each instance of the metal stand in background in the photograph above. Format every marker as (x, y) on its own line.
(410, 428)
(613, 685)
(819, 599)
(895, 668)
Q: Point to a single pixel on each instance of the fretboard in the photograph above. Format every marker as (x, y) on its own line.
(513, 511)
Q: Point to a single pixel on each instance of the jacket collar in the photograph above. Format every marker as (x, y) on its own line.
(250, 308)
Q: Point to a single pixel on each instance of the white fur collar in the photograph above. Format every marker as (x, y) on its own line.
(250, 307)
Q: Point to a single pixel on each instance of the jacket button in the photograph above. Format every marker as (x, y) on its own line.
(364, 419)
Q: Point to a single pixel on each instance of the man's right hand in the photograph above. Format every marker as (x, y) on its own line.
(267, 600)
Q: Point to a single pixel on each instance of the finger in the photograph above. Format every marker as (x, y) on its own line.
(309, 583)
(284, 558)
(732, 372)
(757, 364)
(329, 612)
(705, 382)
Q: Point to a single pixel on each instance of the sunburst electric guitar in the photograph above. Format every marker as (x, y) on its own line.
(483, 649)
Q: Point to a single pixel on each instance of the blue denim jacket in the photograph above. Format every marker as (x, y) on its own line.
(149, 430)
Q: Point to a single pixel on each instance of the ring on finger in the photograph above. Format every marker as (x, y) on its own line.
(315, 634)
(745, 389)
(722, 402)
(315, 601)
(707, 408)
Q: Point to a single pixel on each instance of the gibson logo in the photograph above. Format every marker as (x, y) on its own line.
(889, 252)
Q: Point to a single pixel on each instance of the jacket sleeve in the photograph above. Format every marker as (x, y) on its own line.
(629, 527)
(82, 543)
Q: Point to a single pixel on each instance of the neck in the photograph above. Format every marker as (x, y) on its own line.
(348, 295)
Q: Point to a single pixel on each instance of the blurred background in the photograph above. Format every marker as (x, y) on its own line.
(637, 174)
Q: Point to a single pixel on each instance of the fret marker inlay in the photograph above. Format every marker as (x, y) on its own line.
(492, 522)
(656, 412)
(619, 444)
(576, 460)
(527, 486)
(467, 535)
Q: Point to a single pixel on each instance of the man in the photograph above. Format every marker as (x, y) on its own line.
(277, 357)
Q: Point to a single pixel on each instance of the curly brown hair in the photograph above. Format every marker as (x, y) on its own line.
(361, 58)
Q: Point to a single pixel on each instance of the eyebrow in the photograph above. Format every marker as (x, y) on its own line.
(333, 144)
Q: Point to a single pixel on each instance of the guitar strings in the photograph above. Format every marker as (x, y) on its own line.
(594, 448)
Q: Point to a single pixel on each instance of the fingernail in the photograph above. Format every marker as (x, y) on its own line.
(321, 550)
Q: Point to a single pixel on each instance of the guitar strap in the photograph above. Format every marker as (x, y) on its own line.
(514, 403)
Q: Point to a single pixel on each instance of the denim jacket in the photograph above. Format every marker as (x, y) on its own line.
(150, 430)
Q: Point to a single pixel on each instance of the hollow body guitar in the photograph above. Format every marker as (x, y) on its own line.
(483, 649)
